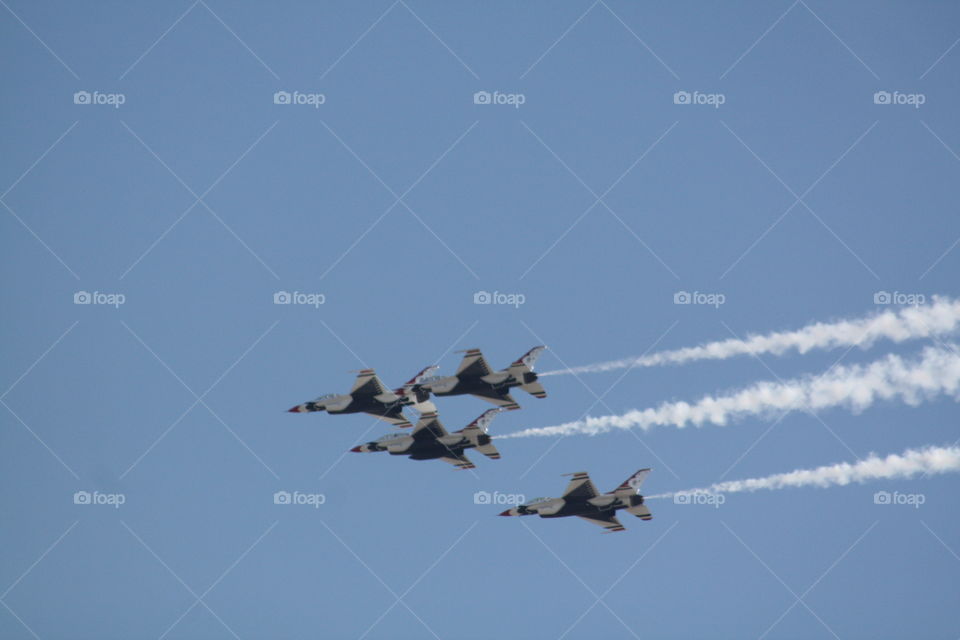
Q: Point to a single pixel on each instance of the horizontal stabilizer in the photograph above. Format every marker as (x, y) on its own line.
(489, 450)
(641, 511)
(535, 389)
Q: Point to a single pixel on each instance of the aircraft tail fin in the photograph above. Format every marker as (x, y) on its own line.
(476, 432)
(631, 485)
(413, 389)
(481, 424)
(527, 360)
(522, 371)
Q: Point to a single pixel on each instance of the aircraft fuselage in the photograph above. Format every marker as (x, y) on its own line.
(498, 383)
(564, 507)
(450, 445)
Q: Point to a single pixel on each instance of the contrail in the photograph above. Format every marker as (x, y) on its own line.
(935, 372)
(941, 317)
(929, 460)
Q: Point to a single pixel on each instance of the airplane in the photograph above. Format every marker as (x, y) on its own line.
(474, 377)
(430, 441)
(582, 499)
(368, 395)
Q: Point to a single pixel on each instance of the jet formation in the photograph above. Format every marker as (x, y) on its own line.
(429, 439)
(473, 377)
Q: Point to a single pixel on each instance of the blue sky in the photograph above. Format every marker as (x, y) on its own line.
(598, 199)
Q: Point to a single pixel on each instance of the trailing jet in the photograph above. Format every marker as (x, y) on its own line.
(581, 499)
(368, 395)
(430, 441)
(475, 377)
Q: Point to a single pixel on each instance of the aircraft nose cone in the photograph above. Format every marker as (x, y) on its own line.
(357, 449)
(506, 513)
(295, 409)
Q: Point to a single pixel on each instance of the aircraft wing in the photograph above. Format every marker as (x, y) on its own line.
(459, 461)
(428, 427)
(473, 365)
(607, 521)
(367, 384)
(504, 401)
(581, 487)
(394, 416)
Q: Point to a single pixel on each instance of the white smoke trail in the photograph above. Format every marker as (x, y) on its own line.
(941, 317)
(856, 387)
(929, 460)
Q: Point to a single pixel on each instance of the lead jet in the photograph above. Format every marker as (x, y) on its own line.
(474, 377)
(582, 499)
(430, 441)
(368, 395)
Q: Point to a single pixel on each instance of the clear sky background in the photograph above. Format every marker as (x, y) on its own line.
(199, 198)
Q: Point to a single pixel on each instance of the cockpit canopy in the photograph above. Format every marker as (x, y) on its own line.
(536, 501)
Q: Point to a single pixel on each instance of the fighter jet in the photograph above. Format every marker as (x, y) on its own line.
(475, 377)
(430, 441)
(368, 395)
(581, 499)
